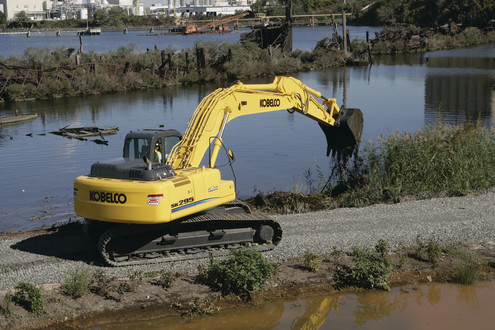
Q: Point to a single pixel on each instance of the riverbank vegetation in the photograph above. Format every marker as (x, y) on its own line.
(438, 160)
(42, 73)
(45, 73)
(244, 278)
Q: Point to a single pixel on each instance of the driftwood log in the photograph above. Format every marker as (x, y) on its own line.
(82, 133)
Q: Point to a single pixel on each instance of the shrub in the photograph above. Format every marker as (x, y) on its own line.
(29, 296)
(470, 36)
(166, 279)
(100, 284)
(137, 277)
(429, 252)
(434, 251)
(242, 273)
(14, 92)
(196, 308)
(311, 262)
(77, 283)
(7, 311)
(370, 269)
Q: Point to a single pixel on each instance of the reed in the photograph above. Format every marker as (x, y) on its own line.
(439, 158)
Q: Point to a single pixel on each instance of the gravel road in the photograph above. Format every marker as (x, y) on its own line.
(48, 258)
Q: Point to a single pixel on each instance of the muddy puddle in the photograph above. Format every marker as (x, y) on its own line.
(429, 306)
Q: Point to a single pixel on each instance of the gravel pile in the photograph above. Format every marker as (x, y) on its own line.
(468, 220)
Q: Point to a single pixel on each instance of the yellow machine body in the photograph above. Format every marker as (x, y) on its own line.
(151, 202)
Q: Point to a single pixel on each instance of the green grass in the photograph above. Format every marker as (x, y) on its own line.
(466, 267)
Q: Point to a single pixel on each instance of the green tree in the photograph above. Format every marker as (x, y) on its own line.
(21, 18)
(470, 13)
(3, 18)
(420, 12)
(117, 17)
(427, 12)
(258, 6)
(100, 17)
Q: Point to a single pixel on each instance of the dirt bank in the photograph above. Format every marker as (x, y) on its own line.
(136, 298)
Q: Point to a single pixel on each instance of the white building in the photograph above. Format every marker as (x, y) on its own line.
(121, 3)
(34, 9)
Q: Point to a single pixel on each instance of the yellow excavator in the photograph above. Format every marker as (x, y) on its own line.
(144, 210)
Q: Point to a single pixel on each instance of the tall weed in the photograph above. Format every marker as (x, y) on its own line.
(437, 158)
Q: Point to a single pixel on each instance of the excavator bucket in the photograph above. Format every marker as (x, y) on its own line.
(345, 136)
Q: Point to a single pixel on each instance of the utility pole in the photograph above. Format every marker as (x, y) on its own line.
(344, 29)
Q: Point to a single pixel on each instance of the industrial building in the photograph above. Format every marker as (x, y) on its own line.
(200, 7)
(35, 9)
(67, 9)
(70, 9)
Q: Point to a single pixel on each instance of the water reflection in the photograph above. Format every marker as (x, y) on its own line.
(428, 306)
(316, 312)
(459, 97)
(377, 305)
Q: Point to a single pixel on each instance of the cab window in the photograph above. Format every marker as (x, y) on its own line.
(136, 148)
(170, 142)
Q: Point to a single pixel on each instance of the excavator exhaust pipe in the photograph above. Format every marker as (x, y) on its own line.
(345, 136)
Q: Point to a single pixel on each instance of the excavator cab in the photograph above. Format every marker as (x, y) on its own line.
(141, 144)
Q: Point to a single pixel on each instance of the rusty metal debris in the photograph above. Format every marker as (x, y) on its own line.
(273, 35)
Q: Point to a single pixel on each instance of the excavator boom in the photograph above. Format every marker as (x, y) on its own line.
(225, 104)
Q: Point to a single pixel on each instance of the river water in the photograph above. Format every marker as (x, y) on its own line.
(304, 38)
(273, 150)
(430, 306)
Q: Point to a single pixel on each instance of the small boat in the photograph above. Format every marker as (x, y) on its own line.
(17, 119)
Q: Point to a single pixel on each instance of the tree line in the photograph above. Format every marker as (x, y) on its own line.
(378, 12)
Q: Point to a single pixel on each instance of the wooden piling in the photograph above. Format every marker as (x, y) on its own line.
(162, 53)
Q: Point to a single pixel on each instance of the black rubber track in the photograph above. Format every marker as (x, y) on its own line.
(124, 245)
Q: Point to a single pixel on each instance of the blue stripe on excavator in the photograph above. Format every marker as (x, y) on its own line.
(193, 204)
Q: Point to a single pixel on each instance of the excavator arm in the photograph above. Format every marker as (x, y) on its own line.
(223, 105)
